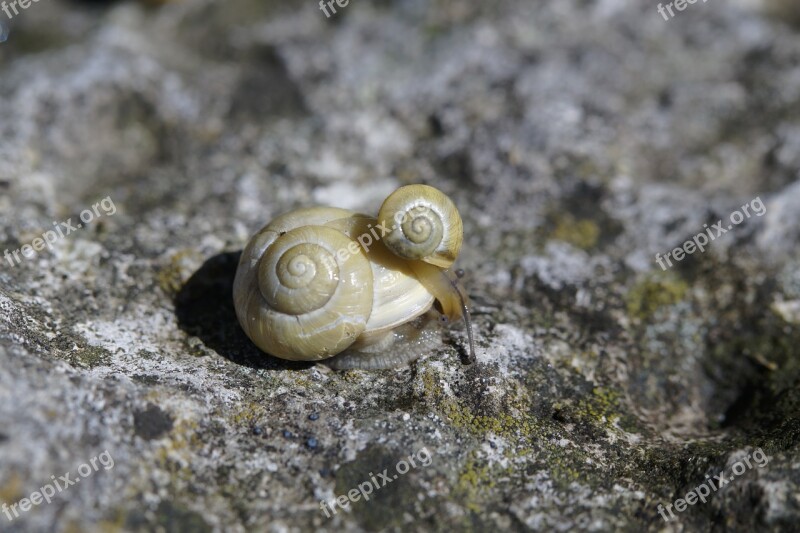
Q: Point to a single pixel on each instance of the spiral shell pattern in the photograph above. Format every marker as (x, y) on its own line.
(318, 281)
(424, 225)
(297, 298)
(298, 275)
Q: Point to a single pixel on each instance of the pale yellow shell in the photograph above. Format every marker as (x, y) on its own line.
(424, 225)
(305, 289)
(293, 296)
(398, 295)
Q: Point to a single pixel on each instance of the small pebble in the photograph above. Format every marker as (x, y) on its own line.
(257, 430)
(311, 443)
(287, 434)
(313, 416)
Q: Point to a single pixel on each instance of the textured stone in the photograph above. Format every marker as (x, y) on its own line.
(579, 139)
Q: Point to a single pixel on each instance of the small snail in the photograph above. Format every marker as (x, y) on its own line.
(320, 281)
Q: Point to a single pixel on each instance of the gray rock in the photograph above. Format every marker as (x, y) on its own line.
(579, 139)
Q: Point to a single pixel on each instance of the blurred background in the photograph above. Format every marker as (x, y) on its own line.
(578, 138)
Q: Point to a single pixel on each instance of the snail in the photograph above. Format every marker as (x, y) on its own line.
(325, 283)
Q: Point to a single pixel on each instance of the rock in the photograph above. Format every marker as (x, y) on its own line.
(578, 139)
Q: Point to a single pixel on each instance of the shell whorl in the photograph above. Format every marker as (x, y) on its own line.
(296, 297)
(424, 225)
(299, 274)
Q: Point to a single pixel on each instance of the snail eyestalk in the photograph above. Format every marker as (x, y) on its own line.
(465, 314)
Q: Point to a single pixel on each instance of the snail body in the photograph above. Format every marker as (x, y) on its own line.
(317, 281)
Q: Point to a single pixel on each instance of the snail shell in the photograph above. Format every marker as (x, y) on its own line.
(305, 289)
(426, 225)
(294, 298)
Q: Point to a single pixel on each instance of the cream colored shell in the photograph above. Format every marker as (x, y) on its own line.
(305, 289)
(425, 225)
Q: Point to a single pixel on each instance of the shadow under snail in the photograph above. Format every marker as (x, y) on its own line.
(325, 283)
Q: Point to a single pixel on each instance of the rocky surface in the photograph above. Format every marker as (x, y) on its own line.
(578, 138)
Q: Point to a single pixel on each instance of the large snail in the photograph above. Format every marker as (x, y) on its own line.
(320, 281)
